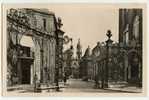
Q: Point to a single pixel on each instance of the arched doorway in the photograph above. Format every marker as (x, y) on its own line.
(26, 58)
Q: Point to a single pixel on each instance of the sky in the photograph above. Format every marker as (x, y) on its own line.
(87, 22)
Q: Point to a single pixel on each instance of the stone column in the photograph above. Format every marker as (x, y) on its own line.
(125, 68)
(19, 73)
(32, 74)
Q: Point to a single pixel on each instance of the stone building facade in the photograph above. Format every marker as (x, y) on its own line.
(130, 39)
(40, 27)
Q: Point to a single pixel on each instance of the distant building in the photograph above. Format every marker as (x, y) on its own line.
(79, 55)
(67, 61)
(40, 27)
(85, 65)
(75, 68)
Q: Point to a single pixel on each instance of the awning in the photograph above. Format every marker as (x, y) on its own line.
(27, 41)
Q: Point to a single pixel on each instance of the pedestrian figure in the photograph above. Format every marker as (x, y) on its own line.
(65, 79)
(96, 82)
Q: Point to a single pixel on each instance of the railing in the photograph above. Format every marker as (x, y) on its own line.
(115, 63)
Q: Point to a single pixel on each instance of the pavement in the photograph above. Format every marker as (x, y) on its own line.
(77, 85)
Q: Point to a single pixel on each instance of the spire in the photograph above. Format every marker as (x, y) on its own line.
(87, 52)
(78, 45)
(79, 49)
(71, 45)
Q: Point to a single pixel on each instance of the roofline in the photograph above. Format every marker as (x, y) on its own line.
(41, 12)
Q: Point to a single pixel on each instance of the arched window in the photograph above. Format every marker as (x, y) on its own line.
(136, 27)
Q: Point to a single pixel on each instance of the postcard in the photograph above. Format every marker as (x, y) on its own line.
(76, 49)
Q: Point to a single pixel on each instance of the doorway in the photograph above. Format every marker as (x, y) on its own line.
(25, 72)
(134, 64)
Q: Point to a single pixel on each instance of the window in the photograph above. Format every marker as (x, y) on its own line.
(44, 24)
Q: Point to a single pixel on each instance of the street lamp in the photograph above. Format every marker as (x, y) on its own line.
(108, 44)
(59, 47)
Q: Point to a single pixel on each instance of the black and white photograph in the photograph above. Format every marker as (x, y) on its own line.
(74, 48)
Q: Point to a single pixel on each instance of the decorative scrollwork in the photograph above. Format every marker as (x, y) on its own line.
(19, 16)
(59, 23)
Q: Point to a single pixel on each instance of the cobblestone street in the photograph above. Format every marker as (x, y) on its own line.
(77, 85)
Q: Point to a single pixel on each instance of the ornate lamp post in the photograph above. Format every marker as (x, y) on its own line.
(59, 47)
(41, 64)
(108, 44)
